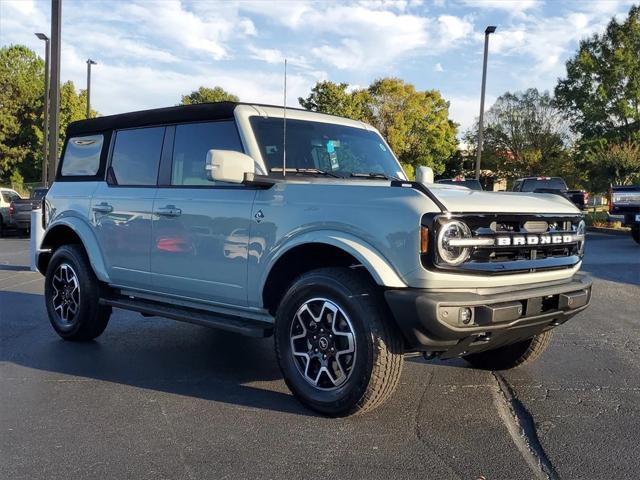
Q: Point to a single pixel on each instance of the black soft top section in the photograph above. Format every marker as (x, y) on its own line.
(157, 116)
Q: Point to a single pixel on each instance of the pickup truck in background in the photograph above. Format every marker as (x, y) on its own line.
(555, 185)
(20, 209)
(470, 183)
(625, 201)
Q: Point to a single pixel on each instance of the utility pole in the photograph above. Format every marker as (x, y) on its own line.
(45, 129)
(489, 30)
(89, 63)
(54, 98)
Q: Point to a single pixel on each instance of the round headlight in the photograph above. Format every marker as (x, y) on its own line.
(448, 252)
(581, 236)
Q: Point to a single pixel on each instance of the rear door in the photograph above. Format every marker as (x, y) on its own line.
(200, 228)
(122, 206)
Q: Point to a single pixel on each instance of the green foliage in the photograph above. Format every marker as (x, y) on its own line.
(21, 102)
(525, 134)
(208, 95)
(602, 90)
(335, 99)
(16, 181)
(415, 124)
(614, 164)
(21, 112)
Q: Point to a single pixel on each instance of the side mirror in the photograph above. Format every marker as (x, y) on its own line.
(424, 175)
(228, 166)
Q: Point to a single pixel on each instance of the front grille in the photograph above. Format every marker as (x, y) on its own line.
(521, 243)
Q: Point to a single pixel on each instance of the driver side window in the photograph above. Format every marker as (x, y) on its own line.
(192, 142)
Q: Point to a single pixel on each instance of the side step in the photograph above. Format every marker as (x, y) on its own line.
(251, 328)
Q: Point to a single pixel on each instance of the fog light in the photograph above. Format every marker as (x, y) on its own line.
(464, 315)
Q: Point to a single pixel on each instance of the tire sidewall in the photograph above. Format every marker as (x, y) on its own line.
(321, 285)
(70, 256)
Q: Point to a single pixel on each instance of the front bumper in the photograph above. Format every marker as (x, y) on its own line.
(455, 323)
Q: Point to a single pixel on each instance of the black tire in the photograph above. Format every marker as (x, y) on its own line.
(635, 233)
(371, 374)
(1, 227)
(511, 356)
(90, 318)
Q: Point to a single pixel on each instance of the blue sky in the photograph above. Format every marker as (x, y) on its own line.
(149, 53)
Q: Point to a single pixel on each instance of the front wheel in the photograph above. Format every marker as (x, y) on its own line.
(635, 233)
(511, 356)
(72, 295)
(337, 348)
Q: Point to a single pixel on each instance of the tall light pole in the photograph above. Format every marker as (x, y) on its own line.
(54, 88)
(489, 30)
(89, 63)
(45, 128)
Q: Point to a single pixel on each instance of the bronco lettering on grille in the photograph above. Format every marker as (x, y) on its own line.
(520, 240)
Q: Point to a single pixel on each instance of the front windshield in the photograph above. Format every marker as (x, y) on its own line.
(331, 148)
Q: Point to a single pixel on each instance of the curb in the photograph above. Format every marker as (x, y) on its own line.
(611, 231)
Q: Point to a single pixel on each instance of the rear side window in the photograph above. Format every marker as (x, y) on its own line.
(9, 197)
(82, 156)
(192, 142)
(136, 156)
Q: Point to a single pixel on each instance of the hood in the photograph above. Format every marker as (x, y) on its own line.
(464, 200)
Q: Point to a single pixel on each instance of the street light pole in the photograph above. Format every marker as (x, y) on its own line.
(89, 63)
(45, 129)
(489, 30)
(54, 89)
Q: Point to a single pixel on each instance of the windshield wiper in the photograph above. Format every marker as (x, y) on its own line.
(375, 176)
(313, 171)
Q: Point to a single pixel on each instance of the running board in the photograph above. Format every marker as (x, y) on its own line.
(251, 328)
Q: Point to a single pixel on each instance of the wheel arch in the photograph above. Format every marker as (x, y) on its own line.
(313, 251)
(72, 231)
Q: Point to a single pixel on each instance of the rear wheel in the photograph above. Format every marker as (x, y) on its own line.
(337, 349)
(635, 233)
(511, 356)
(72, 294)
(1, 227)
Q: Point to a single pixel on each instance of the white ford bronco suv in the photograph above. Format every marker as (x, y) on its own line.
(212, 214)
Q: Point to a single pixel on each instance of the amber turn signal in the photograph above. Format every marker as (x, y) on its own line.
(424, 239)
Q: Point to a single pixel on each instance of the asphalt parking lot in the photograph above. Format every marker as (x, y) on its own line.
(153, 398)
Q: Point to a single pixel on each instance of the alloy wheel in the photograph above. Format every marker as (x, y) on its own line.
(66, 298)
(323, 343)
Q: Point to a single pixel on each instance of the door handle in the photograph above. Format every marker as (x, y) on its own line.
(169, 211)
(102, 208)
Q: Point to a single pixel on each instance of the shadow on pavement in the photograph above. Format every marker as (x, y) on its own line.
(15, 268)
(154, 353)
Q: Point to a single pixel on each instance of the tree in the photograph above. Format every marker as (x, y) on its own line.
(335, 99)
(416, 124)
(602, 90)
(21, 112)
(21, 92)
(525, 135)
(208, 95)
(614, 164)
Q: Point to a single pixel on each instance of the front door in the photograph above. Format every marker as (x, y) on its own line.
(200, 228)
(121, 208)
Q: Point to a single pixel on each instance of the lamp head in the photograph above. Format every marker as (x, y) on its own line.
(42, 36)
(490, 29)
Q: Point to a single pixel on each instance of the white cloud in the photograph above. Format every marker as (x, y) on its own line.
(438, 67)
(512, 7)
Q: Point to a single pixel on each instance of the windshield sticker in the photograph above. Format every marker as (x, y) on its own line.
(382, 147)
(271, 149)
(330, 147)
